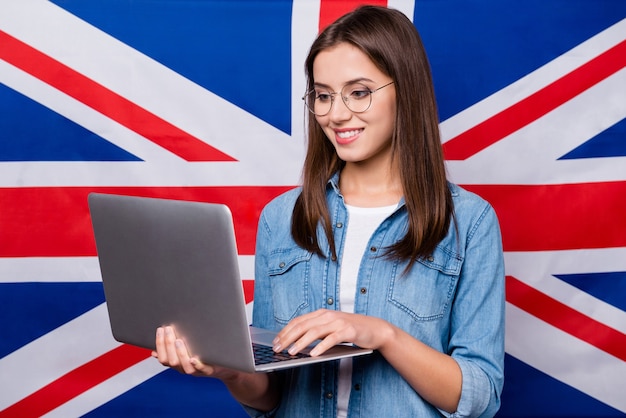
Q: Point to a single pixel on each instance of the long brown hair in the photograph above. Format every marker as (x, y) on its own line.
(393, 44)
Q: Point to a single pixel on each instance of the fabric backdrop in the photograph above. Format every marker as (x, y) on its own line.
(200, 100)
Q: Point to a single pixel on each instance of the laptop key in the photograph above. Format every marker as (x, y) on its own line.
(264, 354)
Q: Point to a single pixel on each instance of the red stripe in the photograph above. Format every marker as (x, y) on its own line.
(565, 318)
(559, 217)
(55, 222)
(248, 290)
(332, 10)
(107, 102)
(76, 382)
(536, 105)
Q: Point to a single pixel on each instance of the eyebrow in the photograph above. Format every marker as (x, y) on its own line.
(354, 80)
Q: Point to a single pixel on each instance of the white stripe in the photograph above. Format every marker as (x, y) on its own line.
(538, 269)
(530, 155)
(83, 115)
(565, 358)
(567, 126)
(405, 6)
(108, 390)
(534, 81)
(70, 346)
(118, 174)
(73, 269)
(304, 30)
(49, 269)
(54, 354)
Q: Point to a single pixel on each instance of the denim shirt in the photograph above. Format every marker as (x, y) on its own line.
(452, 301)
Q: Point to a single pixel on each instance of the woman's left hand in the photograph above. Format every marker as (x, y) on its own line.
(332, 328)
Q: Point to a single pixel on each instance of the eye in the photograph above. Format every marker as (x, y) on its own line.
(323, 96)
(358, 92)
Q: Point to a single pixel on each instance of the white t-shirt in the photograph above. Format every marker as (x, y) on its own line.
(362, 222)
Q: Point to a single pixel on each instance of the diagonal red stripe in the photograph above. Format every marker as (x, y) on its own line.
(536, 105)
(76, 382)
(565, 318)
(107, 102)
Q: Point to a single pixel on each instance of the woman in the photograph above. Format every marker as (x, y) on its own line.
(380, 251)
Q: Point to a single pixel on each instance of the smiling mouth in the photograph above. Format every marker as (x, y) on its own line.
(349, 134)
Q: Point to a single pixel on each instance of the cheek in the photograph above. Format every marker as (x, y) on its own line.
(321, 123)
(328, 132)
(384, 123)
(384, 114)
(330, 136)
(391, 119)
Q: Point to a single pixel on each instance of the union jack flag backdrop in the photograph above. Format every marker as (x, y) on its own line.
(200, 100)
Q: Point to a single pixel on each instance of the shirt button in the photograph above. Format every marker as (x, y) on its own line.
(373, 249)
(363, 290)
(357, 387)
(330, 301)
(329, 395)
(339, 225)
(431, 258)
(281, 265)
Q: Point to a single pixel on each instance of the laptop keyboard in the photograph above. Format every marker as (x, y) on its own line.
(264, 354)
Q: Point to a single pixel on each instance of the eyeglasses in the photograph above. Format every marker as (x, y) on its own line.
(356, 96)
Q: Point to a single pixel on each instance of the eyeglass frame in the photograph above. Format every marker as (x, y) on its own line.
(344, 99)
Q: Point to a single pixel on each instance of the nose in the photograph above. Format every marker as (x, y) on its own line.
(339, 110)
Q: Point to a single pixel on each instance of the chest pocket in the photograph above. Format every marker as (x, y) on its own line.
(425, 293)
(289, 271)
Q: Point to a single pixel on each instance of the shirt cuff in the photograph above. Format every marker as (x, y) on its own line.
(475, 391)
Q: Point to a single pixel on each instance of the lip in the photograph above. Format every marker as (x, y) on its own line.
(347, 136)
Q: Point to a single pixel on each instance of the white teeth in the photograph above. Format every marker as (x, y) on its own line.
(348, 134)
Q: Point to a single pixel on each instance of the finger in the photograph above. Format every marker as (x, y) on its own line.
(298, 321)
(201, 368)
(191, 365)
(182, 353)
(296, 328)
(321, 327)
(330, 341)
(331, 328)
(170, 347)
(326, 334)
(161, 352)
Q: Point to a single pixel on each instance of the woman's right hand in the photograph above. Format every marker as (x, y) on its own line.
(172, 351)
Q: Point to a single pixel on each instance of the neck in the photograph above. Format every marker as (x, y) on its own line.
(369, 186)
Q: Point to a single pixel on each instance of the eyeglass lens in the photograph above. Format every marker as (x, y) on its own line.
(356, 96)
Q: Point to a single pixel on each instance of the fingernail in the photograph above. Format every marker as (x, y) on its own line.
(276, 347)
(292, 350)
(178, 343)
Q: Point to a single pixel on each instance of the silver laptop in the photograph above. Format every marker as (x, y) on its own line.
(172, 262)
